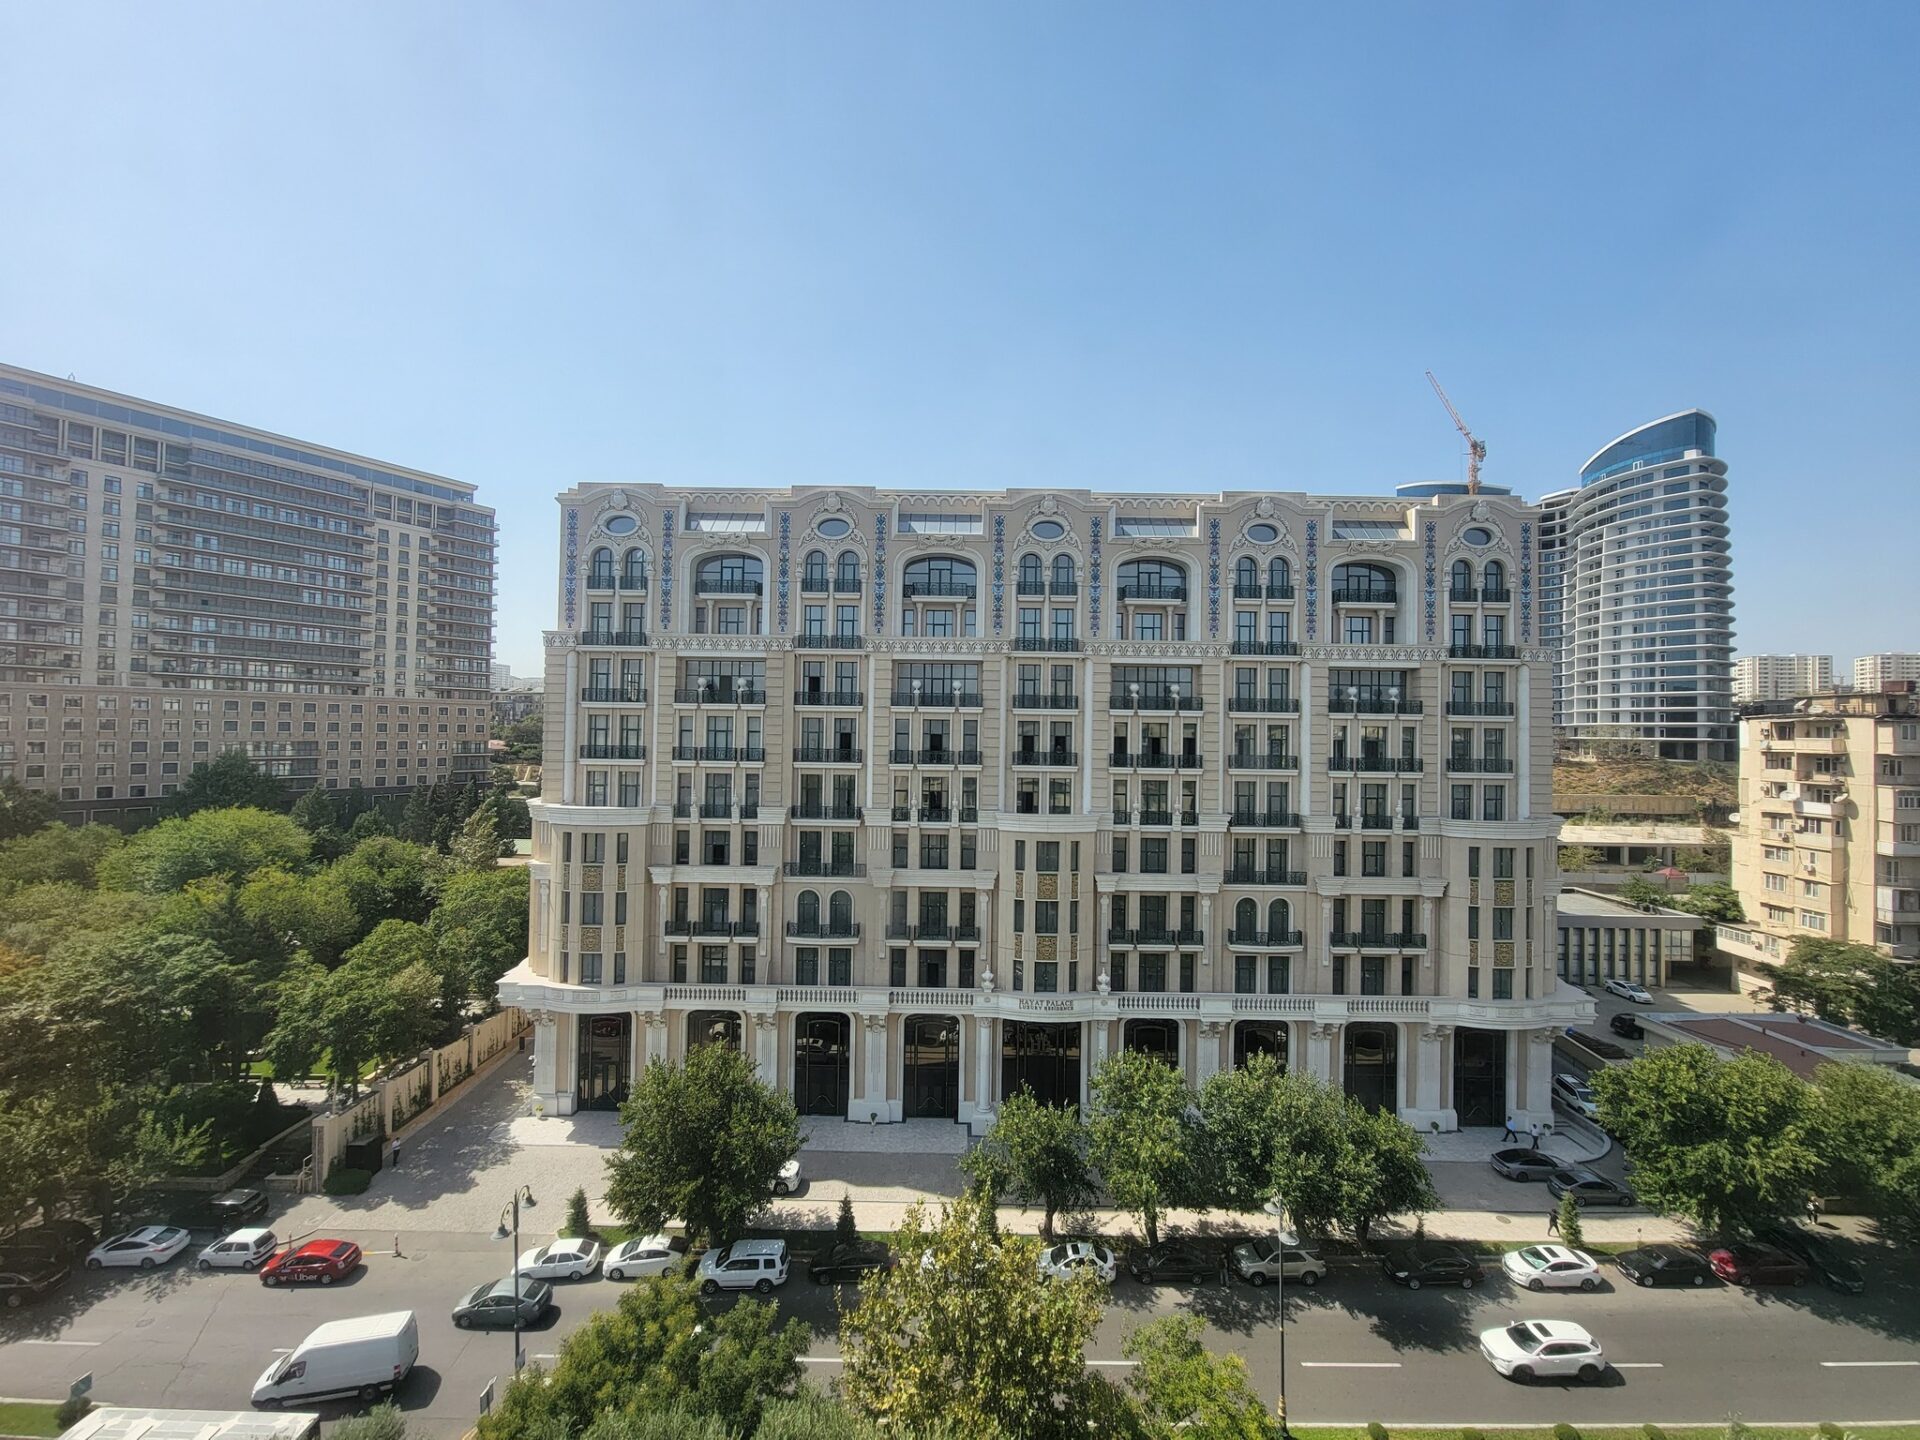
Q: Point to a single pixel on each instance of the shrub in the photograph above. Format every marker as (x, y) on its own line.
(1469, 1433)
(384, 1421)
(1653, 1432)
(846, 1230)
(1570, 1231)
(1376, 1431)
(72, 1411)
(1828, 1431)
(1564, 1431)
(579, 1223)
(345, 1180)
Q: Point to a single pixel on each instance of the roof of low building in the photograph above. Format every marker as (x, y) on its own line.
(1802, 1043)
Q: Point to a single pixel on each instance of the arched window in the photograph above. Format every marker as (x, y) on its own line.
(1246, 573)
(729, 575)
(1063, 574)
(1279, 914)
(1246, 917)
(1153, 580)
(633, 570)
(1030, 571)
(941, 577)
(807, 911)
(847, 570)
(813, 570)
(1462, 577)
(1279, 575)
(600, 568)
(1494, 576)
(840, 912)
(1358, 582)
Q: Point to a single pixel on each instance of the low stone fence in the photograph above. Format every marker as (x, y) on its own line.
(396, 1099)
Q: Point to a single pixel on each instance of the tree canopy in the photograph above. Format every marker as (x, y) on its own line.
(1848, 984)
(229, 842)
(228, 781)
(1037, 1154)
(1141, 1138)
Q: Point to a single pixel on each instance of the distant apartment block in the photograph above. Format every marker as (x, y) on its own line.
(174, 586)
(1828, 843)
(1781, 677)
(1637, 587)
(1870, 672)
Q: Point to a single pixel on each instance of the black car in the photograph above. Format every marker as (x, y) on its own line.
(1626, 1026)
(1666, 1265)
(1524, 1164)
(25, 1278)
(849, 1264)
(1430, 1264)
(1588, 1187)
(1172, 1260)
(65, 1240)
(1821, 1255)
(231, 1209)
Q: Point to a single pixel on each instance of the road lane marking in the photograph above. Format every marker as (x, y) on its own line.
(821, 1360)
(85, 1343)
(1639, 1365)
(1349, 1364)
(1113, 1364)
(1868, 1364)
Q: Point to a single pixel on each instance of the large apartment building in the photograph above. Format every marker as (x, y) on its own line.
(1870, 672)
(1780, 677)
(1828, 844)
(1638, 594)
(924, 797)
(174, 586)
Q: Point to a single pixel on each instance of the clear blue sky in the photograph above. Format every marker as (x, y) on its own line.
(983, 244)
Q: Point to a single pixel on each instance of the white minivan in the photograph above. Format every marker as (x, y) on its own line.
(360, 1357)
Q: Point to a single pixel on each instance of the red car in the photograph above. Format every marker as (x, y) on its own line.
(1746, 1263)
(318, 1262)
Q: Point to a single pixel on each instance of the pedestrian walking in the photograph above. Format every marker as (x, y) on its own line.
(1535, 1129)
(1512, 1132)
(393, 1153)
(1553, 1221)
(1813, 1209)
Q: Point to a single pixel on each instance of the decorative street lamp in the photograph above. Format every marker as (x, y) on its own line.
(1277, 1208)
(524, 1195)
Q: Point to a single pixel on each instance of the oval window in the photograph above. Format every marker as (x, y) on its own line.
(619, 524)
(1262, 534)
(833, 527)
(1477, 535)
(1048, 529)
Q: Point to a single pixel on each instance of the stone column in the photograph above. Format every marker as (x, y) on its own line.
(983, 1086)
(766, 1046)
(1536, 1099)
(766, 931)
(873, 1099)
(545, 1076)
(1208, 1054)
(1430, 1106)
(1322, 1047)
(655, 1023)
(1097, 1046)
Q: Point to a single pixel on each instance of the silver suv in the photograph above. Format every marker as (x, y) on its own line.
(757, 1265)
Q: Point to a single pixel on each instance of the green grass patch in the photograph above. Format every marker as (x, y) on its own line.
(26, 1417)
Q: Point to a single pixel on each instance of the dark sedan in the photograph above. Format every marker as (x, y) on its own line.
(1748, 1263)
(495, 1306)
(1524, 1164)
(1172, 1260)
(1626, 1026)
(55, 1239)
(849, 1264)
(1429, 1264)
(1665, 1265)
(1588, 1188)
(1823, 1257)
(25, 1278)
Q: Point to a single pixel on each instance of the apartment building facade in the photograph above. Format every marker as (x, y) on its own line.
(173, 586)
(1780, 677)
(1638, 590)
(1828, 843)
(1870, 672)
(924, 797)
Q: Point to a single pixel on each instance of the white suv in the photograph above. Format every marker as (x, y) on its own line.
(744, 1265)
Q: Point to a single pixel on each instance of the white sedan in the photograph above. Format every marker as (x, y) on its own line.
(565, 1259)
(1551, 1267)
(650, 1255)
(1062, 1262)
(144, 1248)
(1529, 1348)
(788, 1180)
(1628, 990)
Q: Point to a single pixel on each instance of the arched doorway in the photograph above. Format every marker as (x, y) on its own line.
(1159, 1038)
(1480, 1076)
(1044, 1059)
(822, 1064)
(930, 1068)
(1259, 1037)
(1373, 1066)
(714, 1027)
(606, 1051)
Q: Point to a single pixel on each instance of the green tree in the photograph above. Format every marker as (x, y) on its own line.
(1719, 904)
(578, 1223)
(1037, 1154)
(55, 855)
(1870, 1135)
(1642, 891)
(313, 914)
(1578, 858)
(480, 925)
(231, 842)
(387, 1001)
(1186, 1391)
(386, 1421)
(1848, 984)
(1725, 1143)
(23, 811)
(702, 1142)
(976, 1337)
(387, 878)
(477, 846)
(1140, 1138)
(45, 919)
(226, 782)
(1386, 1172)
(1571, 1232)
(846, 1228)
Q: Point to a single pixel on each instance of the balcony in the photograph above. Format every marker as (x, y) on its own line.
(1377, 940)
(1063, 588)
(838, 640)
(613, 752)
(1152, 594)
(1467, 765)
(933, 757)
(710, 927)
(1374, 705)
(1046, 757)
(1154, 760)
(815, 585)
(1364, 595)
(1262, 875)
(721, 754)
(602, 580)
(1492, 709)
(846, 584)
(1374, 765)
(718, 695)
(939, 590)
(1376, 820)
(1482, 652)
(1258, 760)
(1057, 645)
(827, 755)
(825, 870)
(1266, 647)
(933, 930)
(1184, 938)
(829, 697)
(937, 699)
(1266, 939)
(823, 930)
(1153, 700)
(1029, 587)
(1263, 820)
(1046, 702)
(728, 587)
(614, 694)
(1262, 705)
(613, 637)
(1495, 595)
(806, 811)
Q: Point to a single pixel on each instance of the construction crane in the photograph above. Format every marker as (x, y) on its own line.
(1476, 449)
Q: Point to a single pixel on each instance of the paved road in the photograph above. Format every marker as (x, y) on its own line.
(1359, 1348)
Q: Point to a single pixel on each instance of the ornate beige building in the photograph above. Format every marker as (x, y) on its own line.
(921, 797)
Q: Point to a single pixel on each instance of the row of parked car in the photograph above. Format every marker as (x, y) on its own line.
(1780, 1255)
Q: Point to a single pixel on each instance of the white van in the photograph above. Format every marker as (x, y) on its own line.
(344, 1357)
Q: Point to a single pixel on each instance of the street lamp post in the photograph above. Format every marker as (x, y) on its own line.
(506, 1227)
(1276, 1207)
